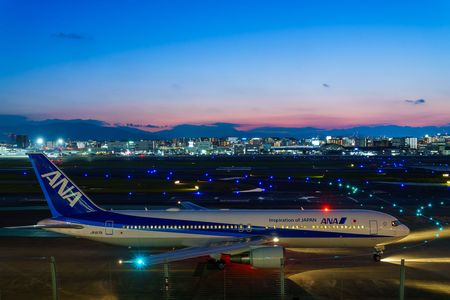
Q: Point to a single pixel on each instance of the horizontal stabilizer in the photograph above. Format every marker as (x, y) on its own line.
(191, 206)
(44, 226)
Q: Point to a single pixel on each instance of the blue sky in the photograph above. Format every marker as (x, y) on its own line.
(291, 63)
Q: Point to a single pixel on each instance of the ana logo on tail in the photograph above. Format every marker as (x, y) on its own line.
(65, 192)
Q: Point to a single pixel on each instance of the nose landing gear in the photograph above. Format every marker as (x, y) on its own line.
(378, 253)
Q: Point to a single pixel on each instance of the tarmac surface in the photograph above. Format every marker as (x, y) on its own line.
(89, 270)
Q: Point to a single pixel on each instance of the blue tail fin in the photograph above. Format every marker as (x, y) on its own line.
(64, 198)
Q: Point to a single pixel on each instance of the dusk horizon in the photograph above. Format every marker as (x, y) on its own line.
(256, 64)
(85, 129)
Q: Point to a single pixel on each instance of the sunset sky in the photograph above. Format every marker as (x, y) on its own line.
(328, 64)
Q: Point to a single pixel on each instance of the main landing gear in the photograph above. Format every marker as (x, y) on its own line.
(378, 253)
(220, 264)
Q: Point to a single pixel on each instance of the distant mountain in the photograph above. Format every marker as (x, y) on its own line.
(78, 129)
(68, 129)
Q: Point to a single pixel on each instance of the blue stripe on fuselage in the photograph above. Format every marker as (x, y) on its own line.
(120, 220)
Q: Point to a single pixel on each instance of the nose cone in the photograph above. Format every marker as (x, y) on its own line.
(403, 230)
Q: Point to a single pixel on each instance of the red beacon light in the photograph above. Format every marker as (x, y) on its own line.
(326, 209)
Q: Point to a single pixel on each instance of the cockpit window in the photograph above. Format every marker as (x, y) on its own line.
(395, 223)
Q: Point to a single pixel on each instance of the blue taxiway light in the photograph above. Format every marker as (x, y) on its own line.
(139, 262)
(85, 174)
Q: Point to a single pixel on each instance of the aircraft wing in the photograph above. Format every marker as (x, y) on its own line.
(192, 252)
(191, 206)
(44, 226)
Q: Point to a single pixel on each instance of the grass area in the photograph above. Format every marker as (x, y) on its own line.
(99, 175)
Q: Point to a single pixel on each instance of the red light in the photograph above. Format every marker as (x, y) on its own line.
(326, 209)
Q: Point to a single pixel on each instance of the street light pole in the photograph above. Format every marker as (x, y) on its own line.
(53, 274)
(402, 279)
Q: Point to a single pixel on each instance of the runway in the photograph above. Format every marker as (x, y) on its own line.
(89, 270)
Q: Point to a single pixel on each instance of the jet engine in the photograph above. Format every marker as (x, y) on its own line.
(261, 257)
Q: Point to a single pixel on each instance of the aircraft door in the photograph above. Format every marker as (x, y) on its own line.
(109, 227)
(373, 224)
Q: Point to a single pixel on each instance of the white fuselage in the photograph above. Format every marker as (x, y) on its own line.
(184, 228)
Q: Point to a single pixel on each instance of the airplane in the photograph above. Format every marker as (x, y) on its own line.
(254, 236)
